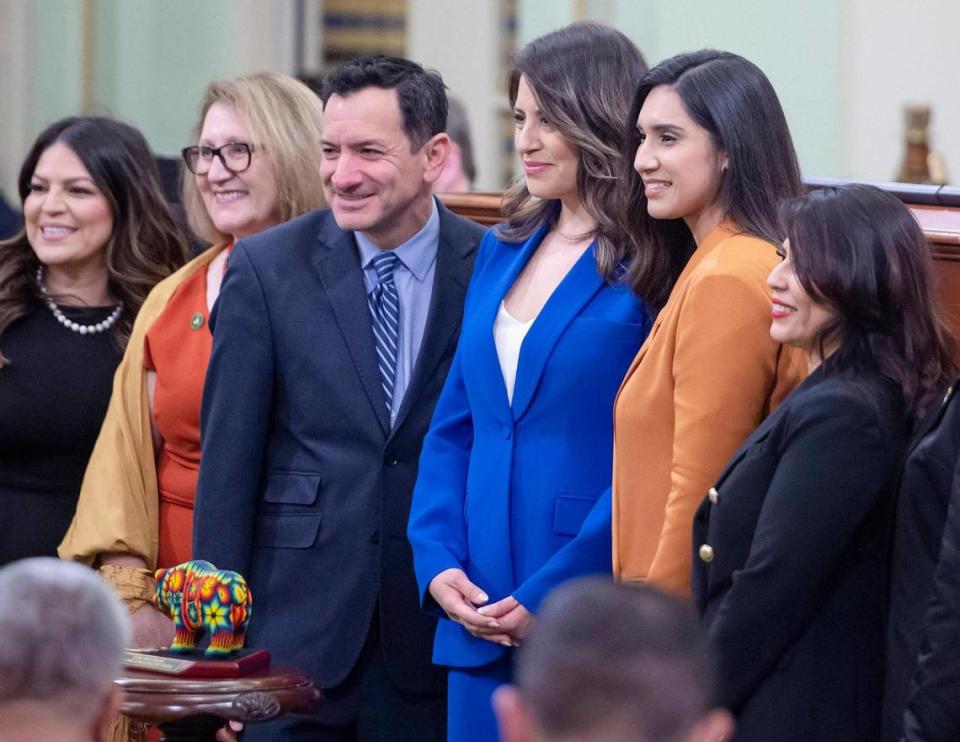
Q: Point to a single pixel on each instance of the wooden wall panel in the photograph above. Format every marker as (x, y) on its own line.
(941, 225)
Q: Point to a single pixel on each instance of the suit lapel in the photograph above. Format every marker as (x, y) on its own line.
(480, 356)
(338, 264)
(648, 341)
(446, 307)
(577, 288)
(678, 293)
(933, 417)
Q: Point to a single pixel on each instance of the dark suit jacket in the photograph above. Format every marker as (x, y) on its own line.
(793, 586)
(923, 653)
(10, 220)
(304, 489)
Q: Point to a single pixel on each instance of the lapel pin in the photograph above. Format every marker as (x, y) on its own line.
(196, 322)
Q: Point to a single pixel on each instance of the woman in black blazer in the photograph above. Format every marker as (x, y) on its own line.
(791, 544)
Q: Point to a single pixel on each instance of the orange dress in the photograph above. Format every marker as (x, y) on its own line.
(177, 348)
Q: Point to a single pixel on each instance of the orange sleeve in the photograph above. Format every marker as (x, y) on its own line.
(148, 363)
(724, 373)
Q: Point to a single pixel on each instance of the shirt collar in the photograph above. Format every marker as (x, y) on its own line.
(417, 253)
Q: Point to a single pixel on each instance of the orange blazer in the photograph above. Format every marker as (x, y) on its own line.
(706, 376)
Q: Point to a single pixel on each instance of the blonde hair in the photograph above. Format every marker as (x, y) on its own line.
(285, 119)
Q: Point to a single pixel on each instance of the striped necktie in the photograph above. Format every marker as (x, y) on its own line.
(385, 311)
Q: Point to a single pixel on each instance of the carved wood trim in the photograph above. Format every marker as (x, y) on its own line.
(483, 208)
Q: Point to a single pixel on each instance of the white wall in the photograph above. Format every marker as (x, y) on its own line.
(150, 62)
(462, 41)
(796, 44)
(897, 53)
(154, 59)
(843, 68)
(15, 83)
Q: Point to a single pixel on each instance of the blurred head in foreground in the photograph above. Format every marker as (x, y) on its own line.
(62, 636)
(610, 661)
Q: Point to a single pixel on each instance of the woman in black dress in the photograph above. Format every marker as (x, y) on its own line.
(791, 546)
(97, 236)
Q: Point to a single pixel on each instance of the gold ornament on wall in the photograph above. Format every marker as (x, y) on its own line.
(920, 164)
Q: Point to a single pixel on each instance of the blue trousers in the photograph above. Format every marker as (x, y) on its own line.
(470, 716)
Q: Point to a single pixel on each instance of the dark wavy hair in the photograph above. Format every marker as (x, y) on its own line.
(859, 250)
(730, 98)
(583, 77)
(145, 244)
(421, 94)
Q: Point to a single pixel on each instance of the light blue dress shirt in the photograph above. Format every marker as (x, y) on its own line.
(414, 281)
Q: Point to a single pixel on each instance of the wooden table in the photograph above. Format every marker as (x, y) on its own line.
(194, 709)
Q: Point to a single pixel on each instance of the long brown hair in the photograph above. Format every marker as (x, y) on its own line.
(583, 77)
(859, 250)
(144, 246)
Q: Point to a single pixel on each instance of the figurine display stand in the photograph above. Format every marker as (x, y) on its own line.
(195, 709)
(191, 693)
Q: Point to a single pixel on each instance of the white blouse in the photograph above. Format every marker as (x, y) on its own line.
(508, 335)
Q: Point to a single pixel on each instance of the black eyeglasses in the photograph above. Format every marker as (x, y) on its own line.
(234, 156)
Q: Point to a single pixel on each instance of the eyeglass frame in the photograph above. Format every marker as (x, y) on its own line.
(217, 152)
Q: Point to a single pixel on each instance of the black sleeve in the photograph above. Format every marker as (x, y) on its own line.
(933, 712)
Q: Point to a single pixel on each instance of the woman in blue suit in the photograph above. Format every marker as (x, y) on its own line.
(520, 448)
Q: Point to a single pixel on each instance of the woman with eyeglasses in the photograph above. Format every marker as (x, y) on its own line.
(254, 166)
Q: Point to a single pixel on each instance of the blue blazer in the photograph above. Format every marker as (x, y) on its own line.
(507, 492)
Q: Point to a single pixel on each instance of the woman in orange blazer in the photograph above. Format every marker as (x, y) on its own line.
(714, 159)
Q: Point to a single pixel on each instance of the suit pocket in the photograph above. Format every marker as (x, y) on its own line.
(292, 487)
(569, 512)
(287, 531)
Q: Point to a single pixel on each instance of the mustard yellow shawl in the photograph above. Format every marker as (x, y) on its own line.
(119, 503)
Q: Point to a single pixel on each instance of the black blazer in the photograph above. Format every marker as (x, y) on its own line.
(303, 486)
(790, 562)
(923, 639)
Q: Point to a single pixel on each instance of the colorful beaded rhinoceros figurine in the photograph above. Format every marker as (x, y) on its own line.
(199, 597)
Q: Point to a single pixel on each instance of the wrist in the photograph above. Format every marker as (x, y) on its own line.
(135, 586)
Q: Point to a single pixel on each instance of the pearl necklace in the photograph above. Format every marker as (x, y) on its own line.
(70, 324)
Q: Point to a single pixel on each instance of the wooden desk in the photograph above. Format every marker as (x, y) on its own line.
(194, 709)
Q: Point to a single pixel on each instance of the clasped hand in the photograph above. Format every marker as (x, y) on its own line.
(505, 622)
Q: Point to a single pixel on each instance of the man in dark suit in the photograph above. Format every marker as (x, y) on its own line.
(332, 339)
